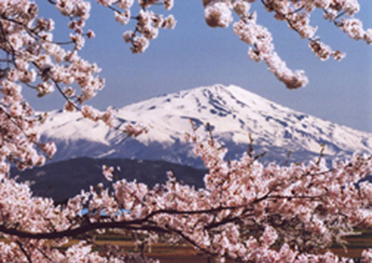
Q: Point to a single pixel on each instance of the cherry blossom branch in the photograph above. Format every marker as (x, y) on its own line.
(135, 225)
(138, 224)
(247, 211)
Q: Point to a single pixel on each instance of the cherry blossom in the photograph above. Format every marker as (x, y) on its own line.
(246, 211)
(317, 205)
(218, 14)
(108, 172)
(297, 14)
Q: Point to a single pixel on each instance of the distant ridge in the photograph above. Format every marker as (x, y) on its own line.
(65, 179)
(233, 113)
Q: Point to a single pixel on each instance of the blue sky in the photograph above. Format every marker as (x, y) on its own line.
(194, 55)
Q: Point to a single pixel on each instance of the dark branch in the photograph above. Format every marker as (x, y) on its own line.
(135, 225)
(24, 251)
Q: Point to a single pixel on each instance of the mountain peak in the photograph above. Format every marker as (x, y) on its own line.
(232, 113)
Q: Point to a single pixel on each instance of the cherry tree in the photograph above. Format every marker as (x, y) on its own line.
(247, 211)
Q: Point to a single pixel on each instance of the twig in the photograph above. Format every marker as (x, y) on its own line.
(24, 251)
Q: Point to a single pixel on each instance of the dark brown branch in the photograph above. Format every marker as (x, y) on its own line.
(294, 197)
(140, 224)
(24, 251)
(131, 225)
(192, 212)
(285, 16)
(44, 255)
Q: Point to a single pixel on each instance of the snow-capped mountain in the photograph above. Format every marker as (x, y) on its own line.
(232, 113)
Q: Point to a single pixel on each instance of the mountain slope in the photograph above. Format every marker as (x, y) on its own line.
(232, 112)
(65, 179)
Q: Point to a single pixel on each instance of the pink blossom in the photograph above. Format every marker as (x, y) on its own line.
(246, 211)
(354, 28)
(218, 14)
(269, 236)
(124, 4)
(170, 22)
(168, 4)
(49, 148)
(108, 172)
(140, 44)
(123, 17)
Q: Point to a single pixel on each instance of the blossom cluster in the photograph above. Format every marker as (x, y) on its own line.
(147, 25)
(261, 39)
(32, 59)
(246, 211)
(354, 28)
(297, 14)
(108, 117)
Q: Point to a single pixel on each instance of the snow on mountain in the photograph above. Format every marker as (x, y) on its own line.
(232, 113)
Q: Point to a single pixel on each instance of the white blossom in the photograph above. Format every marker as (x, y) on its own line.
(218, 14)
